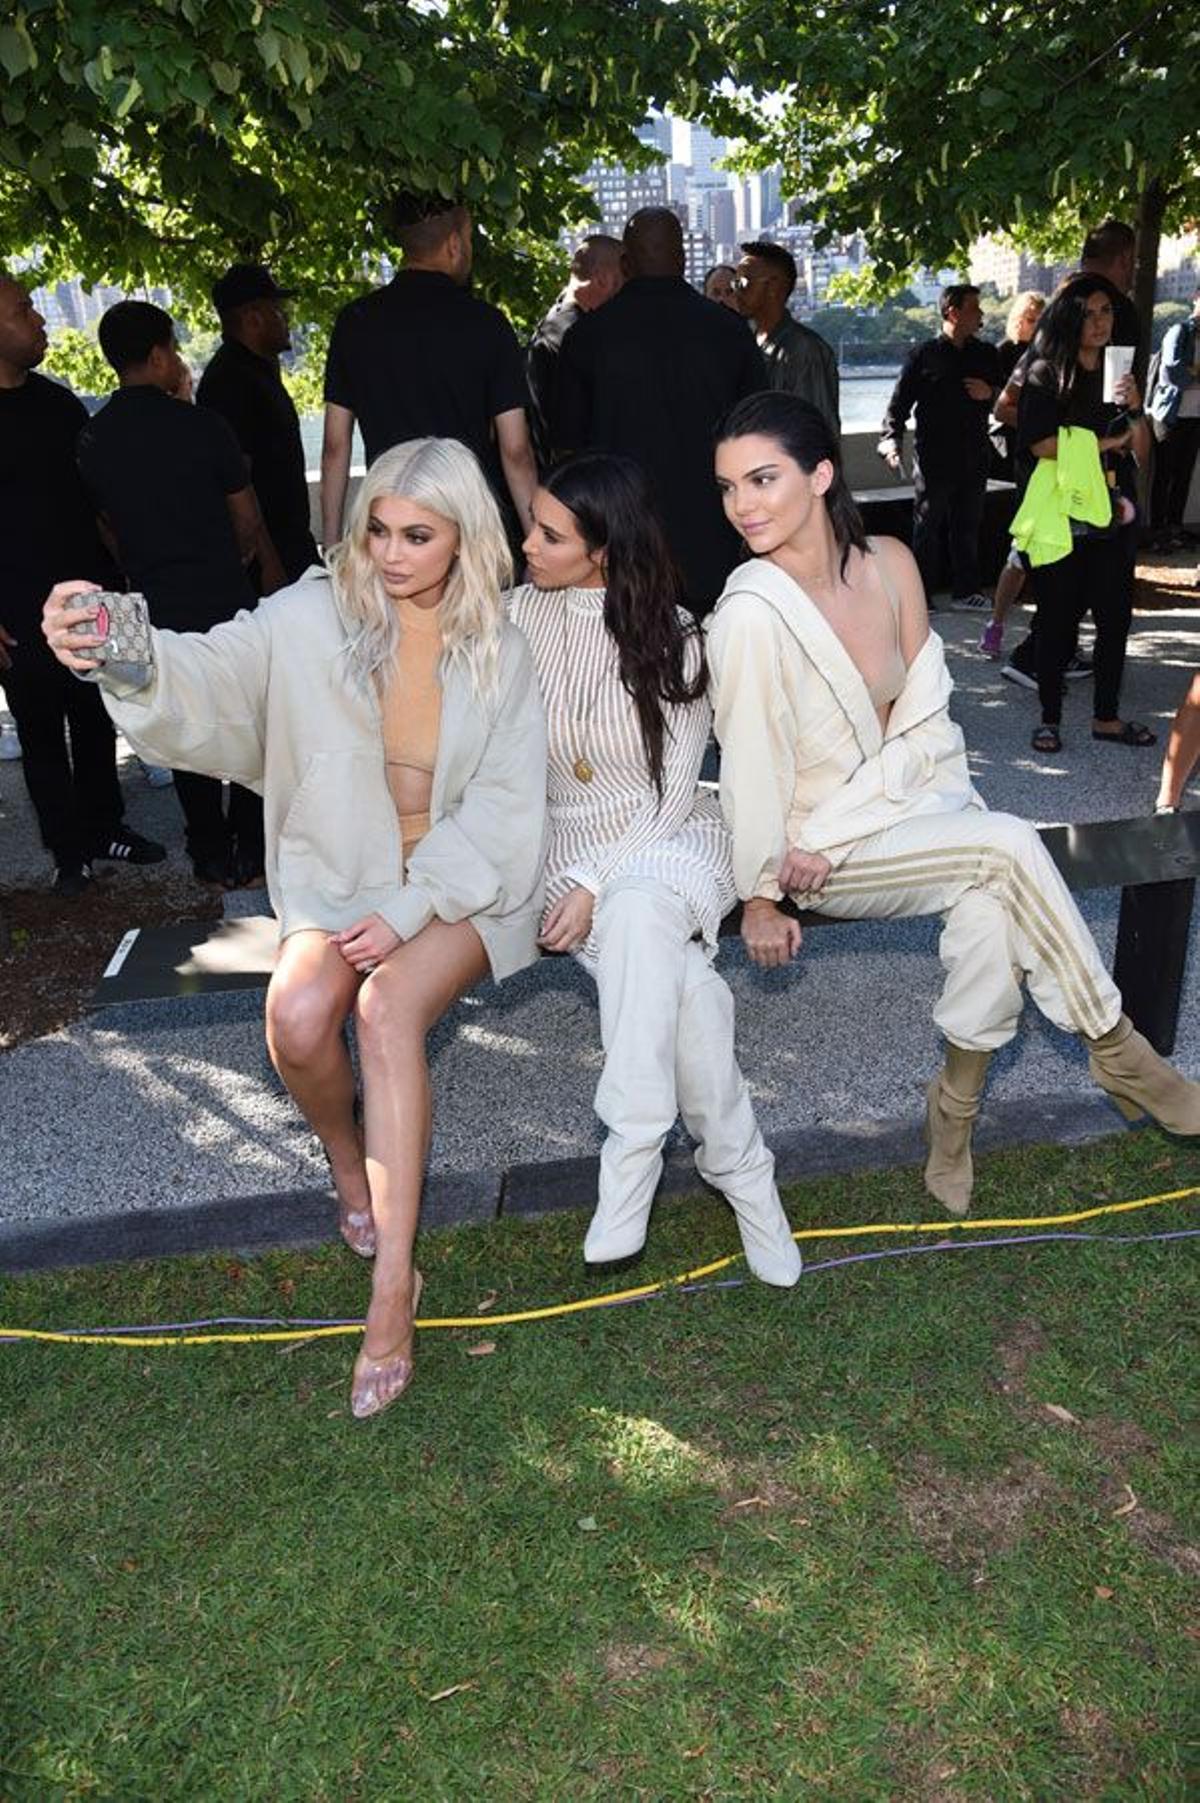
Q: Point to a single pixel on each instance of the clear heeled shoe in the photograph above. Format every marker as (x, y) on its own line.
(356, 1226)
(379, 1382)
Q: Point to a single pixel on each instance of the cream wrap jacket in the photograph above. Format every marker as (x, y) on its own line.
(267, 700)
(804, 760)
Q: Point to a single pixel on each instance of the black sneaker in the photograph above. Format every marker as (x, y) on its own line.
(1079, 667)
(128, 847)
(1022, 678)
(70, 880)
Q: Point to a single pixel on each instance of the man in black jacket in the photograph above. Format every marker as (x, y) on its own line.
(951, 380)
(650, 375)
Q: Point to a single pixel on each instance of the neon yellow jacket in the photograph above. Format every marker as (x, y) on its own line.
(1068, 487)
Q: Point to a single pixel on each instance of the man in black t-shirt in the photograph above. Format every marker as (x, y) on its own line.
(650, 375)
(48, 533)
(243, 383)
(170, 481)
(424, 358)
(951, 380)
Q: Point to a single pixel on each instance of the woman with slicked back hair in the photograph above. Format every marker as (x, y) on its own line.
(845, 783)
(637, 866)
(390, 717)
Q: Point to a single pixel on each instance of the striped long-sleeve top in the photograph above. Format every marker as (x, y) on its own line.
(615, 824)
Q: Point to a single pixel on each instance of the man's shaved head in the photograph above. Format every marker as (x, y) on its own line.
(653, 243)
(598, 255)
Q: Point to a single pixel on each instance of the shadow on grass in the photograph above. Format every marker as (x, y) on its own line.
(733, 1544)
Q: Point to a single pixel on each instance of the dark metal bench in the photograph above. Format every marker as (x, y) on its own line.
(1154, 861)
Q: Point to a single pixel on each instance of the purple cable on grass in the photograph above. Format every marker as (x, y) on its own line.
(688, 1289)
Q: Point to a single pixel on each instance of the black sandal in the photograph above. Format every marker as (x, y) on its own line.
(1132, 733)
(1047, 740)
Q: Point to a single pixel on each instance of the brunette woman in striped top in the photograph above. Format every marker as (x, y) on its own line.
(638, 870)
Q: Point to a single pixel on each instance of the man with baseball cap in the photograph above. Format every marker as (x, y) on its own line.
(243, 382)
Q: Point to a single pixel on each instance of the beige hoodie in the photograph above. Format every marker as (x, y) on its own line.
(804, 760)
(267, 700)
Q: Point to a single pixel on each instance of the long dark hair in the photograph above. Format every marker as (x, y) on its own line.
(805, 435)
(610, 499)
(1060, 332)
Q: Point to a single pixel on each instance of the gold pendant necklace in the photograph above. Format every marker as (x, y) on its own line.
(584, 769)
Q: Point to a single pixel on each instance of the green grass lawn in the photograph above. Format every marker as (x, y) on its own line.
(735, 1544)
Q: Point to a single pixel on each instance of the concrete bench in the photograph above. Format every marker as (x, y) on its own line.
(1153, 860)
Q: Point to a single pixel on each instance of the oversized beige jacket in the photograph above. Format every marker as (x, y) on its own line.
(804, 760)
(267, 700)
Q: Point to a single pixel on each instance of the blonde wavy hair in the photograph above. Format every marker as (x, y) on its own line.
(1017, 309)
(444, 476)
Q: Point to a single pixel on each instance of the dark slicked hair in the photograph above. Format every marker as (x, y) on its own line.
(780, 259)
(954, 296)
(132, 329)
(615, 512)
(804, 434)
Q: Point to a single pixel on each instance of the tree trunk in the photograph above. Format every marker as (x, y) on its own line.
(1151, 207)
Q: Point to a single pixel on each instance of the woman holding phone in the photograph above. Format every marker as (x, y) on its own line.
(1065, 388)
(637, 870)
(390, 717)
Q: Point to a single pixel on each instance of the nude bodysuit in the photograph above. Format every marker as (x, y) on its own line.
(411, 704)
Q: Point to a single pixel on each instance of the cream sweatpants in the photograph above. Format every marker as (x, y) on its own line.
(666, 1022)
(1009, 917)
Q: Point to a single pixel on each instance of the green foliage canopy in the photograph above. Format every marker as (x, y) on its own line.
(147, 141)
(926, 125)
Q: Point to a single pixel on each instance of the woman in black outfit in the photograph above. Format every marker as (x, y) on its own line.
(1065, 387)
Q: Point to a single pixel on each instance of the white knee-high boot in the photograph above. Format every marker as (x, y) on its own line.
(716, 1108)
(641, 934)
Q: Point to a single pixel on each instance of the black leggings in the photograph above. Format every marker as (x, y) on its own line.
(1097, 576)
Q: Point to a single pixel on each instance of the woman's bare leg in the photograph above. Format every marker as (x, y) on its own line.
(397, 1005)
(1183, 748)
(311, 992)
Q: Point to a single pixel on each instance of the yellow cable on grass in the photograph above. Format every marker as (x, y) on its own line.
(582, 1304)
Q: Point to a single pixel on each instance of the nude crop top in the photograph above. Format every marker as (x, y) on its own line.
(411, 702)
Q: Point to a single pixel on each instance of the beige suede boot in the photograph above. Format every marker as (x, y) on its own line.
(1128, 1069)
(953, 1103)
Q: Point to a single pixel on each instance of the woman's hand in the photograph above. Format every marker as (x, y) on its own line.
(65, 606)
(1126, 392)
(771, 938)
(568, 922)
(804, 872)
(366, 944)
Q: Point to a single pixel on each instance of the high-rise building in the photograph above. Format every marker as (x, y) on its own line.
(656, 130)
(706, 150)
(621, 192)
(697, 257)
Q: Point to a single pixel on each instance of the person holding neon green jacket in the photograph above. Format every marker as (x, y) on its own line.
(1065, 389)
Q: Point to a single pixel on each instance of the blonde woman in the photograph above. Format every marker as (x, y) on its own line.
(390, 717)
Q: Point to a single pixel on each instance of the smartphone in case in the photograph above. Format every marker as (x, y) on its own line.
(124, 623)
